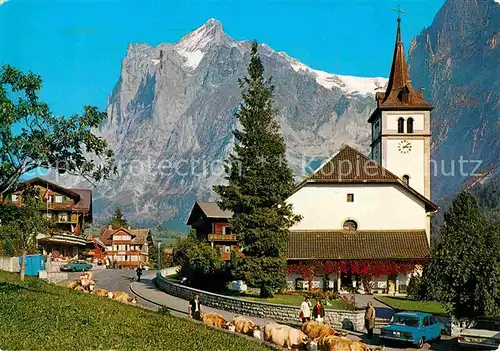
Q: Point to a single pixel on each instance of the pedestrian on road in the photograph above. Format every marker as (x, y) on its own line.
(194, 308)
(305, 310)
(318, 312)
(139, 273)
(370, 319)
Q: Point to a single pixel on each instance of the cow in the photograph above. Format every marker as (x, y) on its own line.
(243, 325)
(80, 288)
(101, 292)
(214, 320)
(72, 285)
(122, 297)
(336, 343)
(315, 330)
(285, 336)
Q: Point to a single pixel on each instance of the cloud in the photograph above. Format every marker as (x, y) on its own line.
(3, 2)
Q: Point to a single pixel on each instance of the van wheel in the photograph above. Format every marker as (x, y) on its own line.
(420, 343)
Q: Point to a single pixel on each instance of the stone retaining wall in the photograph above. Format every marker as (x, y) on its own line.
(350, 320)
(10, 264)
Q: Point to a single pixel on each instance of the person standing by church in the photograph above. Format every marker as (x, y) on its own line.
(318, 312)
(194, 308)
(369, 319)
(305, 310)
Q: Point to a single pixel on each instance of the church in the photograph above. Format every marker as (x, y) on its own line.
(366, 221)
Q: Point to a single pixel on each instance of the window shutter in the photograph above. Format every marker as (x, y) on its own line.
(9, 197)
(65, 198)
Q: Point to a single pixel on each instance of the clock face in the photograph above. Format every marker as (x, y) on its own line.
(404, 146)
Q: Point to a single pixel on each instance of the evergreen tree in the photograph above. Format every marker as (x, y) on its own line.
(464, 271)
(259, 181)
(117, 220)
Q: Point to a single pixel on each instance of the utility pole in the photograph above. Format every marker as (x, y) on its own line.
(159, 253)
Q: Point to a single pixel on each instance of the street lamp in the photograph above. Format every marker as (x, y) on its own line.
(159, 260)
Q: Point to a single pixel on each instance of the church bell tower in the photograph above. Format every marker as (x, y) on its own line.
(401, 130)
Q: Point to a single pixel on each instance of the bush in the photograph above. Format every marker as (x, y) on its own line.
(416, 288)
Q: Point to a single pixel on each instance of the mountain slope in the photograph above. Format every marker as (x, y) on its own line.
(457, 60)
(170, 120)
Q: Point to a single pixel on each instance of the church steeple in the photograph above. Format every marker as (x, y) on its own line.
(400, 93)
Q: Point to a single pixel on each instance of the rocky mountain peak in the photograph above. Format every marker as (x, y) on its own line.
(201, 39)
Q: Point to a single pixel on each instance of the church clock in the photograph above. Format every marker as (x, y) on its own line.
(404, 146)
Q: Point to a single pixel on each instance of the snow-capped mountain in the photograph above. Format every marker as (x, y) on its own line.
(170, 120)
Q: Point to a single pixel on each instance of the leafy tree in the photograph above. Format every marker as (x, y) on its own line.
(259, 181)
(117, 220)
(31, 136)
(25, 228)
(166, 259)
(464, 269)
(200, 264)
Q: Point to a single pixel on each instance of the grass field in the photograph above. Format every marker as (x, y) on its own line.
(39, 316)
(296, 300)
(401, 303)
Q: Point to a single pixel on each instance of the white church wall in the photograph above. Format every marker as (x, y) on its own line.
(392, 121)
(375, 207)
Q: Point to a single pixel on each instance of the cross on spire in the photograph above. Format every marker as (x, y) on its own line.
(400, 12)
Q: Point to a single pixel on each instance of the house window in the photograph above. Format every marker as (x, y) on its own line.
(299, 284)
(63, 217)
(226, 230)
(350, 225)
(401, 125)
(59, 199)
(350, 197)
(14, 198)
(121, 247)
(227, 249)
(406, 179)
(409, 125)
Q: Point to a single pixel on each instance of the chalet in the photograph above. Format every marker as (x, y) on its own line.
(127, 247)
(212, 224)
(70, 209)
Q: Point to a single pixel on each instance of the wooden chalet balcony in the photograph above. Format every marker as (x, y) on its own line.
(222, 237)
(124, 252)
(68, 206)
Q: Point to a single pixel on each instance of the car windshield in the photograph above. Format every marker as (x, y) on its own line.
(405, 320)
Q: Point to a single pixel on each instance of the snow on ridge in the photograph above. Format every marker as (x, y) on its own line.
(349, 84)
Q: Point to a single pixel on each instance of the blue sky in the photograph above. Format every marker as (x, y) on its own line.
(77, 45)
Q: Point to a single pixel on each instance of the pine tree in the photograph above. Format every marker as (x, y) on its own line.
(259, 181)
(464, 271)
(117, 220)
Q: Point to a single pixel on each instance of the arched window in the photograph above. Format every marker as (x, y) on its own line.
(350, 225)
(406, 179)
(409, 125)
(401, 125)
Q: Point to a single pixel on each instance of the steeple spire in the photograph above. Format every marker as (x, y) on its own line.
(400, 92)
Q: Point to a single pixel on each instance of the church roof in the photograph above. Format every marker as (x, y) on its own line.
(351, 166)
(400, 94)
(358, 245)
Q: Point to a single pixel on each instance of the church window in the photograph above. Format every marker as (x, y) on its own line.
(409, 125)
(401, 125)
(350, 225)
(350, 197)
(406, 179)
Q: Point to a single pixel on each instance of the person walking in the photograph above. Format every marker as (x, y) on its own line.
(318, 312)
(139, 273)
(305, 310)
(194, 308)
(369, 319)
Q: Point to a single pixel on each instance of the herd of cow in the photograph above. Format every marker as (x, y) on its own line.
(84, 283)
(313, 336)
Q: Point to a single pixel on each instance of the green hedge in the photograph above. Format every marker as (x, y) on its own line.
(39, 316)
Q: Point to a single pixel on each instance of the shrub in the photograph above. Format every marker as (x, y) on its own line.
(415, 288)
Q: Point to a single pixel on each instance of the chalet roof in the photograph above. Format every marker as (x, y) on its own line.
(367, 245)
(139, 236)
(209, 210)
(351, 166)
(400, 94)
(52, 186)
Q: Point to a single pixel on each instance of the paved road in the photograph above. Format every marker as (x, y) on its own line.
(152, 298)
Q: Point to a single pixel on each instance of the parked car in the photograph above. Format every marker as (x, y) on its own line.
(416, 328)
(75, 266)
(483, 335)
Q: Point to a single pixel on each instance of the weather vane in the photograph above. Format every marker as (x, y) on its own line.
(400, 12)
